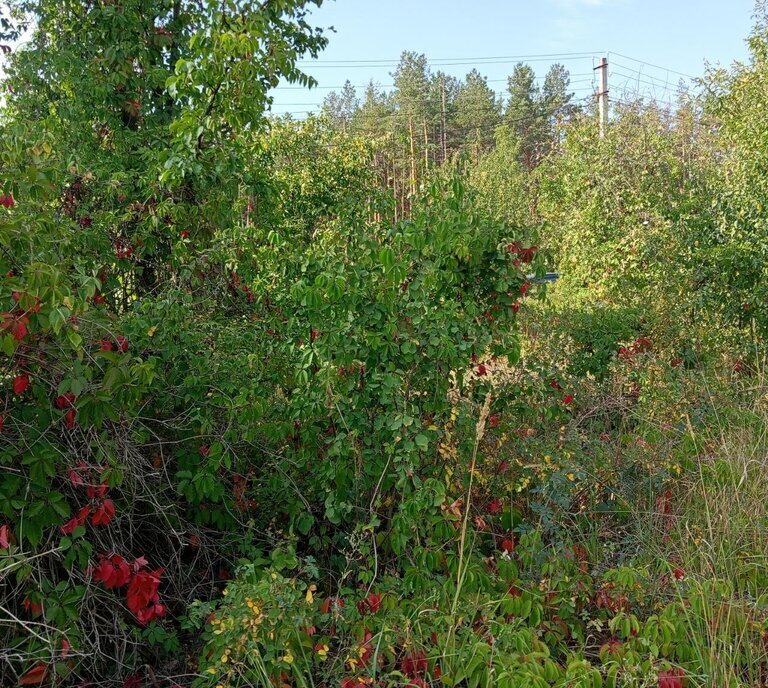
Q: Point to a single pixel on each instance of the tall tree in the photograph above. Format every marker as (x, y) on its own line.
(556, 101)
(442, 93)
(478, 113)
(341, 107)
(536, 114)
(523, 113)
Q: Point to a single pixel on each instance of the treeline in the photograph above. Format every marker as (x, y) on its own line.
(430, 117)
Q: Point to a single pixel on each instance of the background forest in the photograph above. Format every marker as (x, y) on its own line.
(288, 403)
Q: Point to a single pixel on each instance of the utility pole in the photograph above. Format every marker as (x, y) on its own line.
(602, 95)
(442, 120)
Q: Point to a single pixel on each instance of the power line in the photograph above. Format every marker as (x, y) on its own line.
(314, 65)
(650, 64)
(364, 86)
(638, 79)
(539, 56)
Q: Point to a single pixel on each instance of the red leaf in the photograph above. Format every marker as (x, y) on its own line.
(414, 664)
(5, 536)
(65, 400)
(567, 399)
(672, 678)
(154, 611)
(20, 383)
(113, 571)
(69, 419)
(34, 608)
(508, 545)
(143, 590)
(78, 520)
(96, 491)
(370, 604)
(18, 330)
(104, 513)
(122, 343)
(35, 676)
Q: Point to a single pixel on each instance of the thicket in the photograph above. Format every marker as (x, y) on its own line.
(267, 420)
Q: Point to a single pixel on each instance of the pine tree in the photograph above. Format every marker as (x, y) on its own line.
(478, 113)
(340, 108)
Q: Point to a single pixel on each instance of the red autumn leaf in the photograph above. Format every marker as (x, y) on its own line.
(65, 400)
(493, 420)
(204, 450)
(5, 536)
(2, 421)
(336, 602)
(671, 678)
(104, 513)
(481, 370)
(20, 383)
(494, 507)
(113, 571)
(527, 254)
(96, 491)
(678, 573)
(524, 288)
(143, 590)
(69, 419)
(138, 564)
(18, 330)
(122, 343)
(369, 604)
(567, 399)
(34, 608)
(35, 676)
(414, 664)
(78, 520)
(105, 345)
(508, 545)
(515, 307)
(154, 611)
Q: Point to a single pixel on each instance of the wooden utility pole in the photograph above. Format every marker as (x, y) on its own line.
(442, 117)
(602, 95)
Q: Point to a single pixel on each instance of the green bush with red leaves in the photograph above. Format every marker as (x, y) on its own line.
(252, 432)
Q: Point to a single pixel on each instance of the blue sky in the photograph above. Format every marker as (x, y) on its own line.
(675, 35)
